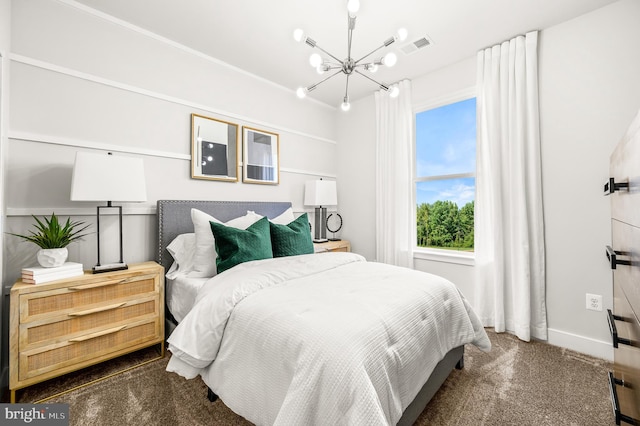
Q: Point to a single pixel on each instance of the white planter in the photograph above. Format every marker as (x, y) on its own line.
(50, 258)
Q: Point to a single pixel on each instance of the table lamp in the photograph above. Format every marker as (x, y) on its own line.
(107, 177)
(320, 193)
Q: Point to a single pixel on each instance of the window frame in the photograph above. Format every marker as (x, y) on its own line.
(430, 253)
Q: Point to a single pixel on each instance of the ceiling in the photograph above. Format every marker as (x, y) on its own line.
(256, 35)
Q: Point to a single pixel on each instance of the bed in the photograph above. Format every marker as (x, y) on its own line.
(274, 361)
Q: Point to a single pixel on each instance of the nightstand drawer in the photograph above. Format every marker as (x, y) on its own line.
(78, 323)
(77, 298)
(86, 349)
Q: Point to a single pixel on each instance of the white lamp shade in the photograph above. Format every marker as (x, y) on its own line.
(106, 177)
(320, 193)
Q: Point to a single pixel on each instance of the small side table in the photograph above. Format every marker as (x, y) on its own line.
(341, 245)
(65, 325)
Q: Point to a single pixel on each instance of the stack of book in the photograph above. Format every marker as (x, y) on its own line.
(39, 274)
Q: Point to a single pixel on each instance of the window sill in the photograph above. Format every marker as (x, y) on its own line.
(460, 258)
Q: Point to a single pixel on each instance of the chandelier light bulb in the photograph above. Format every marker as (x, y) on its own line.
(301, 92)
(372, 68)
(345, 104)
(394, 91)
(315, 60)
(402, 34)
(320, 69)
(353, 6)
(298, 35)
(390, 59)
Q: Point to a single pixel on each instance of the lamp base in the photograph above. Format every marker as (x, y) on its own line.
(109, 267)
(320, 216)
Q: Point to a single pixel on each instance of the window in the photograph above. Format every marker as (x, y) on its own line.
(445, 181)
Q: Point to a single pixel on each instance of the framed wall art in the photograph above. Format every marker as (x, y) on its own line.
(214, 149)
(261, 156)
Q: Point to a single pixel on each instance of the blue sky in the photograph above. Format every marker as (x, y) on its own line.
(446, 144)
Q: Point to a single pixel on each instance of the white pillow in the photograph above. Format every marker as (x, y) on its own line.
(285, 217)
(182, 249)
(204, 264)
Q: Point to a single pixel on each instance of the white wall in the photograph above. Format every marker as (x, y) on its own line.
(356, 159)
(589, 92)
(80, 81)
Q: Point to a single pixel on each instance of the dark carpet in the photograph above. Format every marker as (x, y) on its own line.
(517, 383)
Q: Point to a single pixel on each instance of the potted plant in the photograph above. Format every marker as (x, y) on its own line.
(53, 239)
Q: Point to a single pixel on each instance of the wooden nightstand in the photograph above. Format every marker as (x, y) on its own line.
(62, 326)
(342, 245)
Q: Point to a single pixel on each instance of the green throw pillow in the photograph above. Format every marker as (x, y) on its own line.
(235, 246)
(292, 239)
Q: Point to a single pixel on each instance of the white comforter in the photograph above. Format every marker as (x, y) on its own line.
(321, 339)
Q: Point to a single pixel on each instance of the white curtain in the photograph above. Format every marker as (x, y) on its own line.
(394, 141)
(509, 236)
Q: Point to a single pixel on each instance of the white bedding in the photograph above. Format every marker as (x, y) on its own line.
(321, 339)
(181, 292)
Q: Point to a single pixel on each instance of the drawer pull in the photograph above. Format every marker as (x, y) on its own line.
(615, 403)
(98, 334)
(80, 287)
(99, 309)
(611, 186)
(112, 282)
(88, 286)
(612, 255)
(614, 330)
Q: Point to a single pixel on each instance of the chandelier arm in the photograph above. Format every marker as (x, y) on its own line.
(321, 49)
(382, 85)
(351, 24)
(313, 86)
(333, 64)
(346, 89)
(387, 42)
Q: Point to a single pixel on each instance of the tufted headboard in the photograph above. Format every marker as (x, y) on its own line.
(174, 218)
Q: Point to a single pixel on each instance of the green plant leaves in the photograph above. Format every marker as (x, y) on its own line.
(50, 233)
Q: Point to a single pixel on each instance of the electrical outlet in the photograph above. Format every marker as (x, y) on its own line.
(594, 302)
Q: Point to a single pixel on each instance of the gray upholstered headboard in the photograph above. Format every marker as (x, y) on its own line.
(174, 218)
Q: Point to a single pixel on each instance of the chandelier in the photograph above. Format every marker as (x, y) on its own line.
(349, 66)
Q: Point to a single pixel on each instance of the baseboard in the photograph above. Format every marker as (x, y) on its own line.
(582, 344)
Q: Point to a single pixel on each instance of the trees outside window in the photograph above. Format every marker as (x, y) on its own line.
(445, 176)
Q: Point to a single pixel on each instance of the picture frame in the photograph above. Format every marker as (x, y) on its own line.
(215, 149)
(260, 156)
